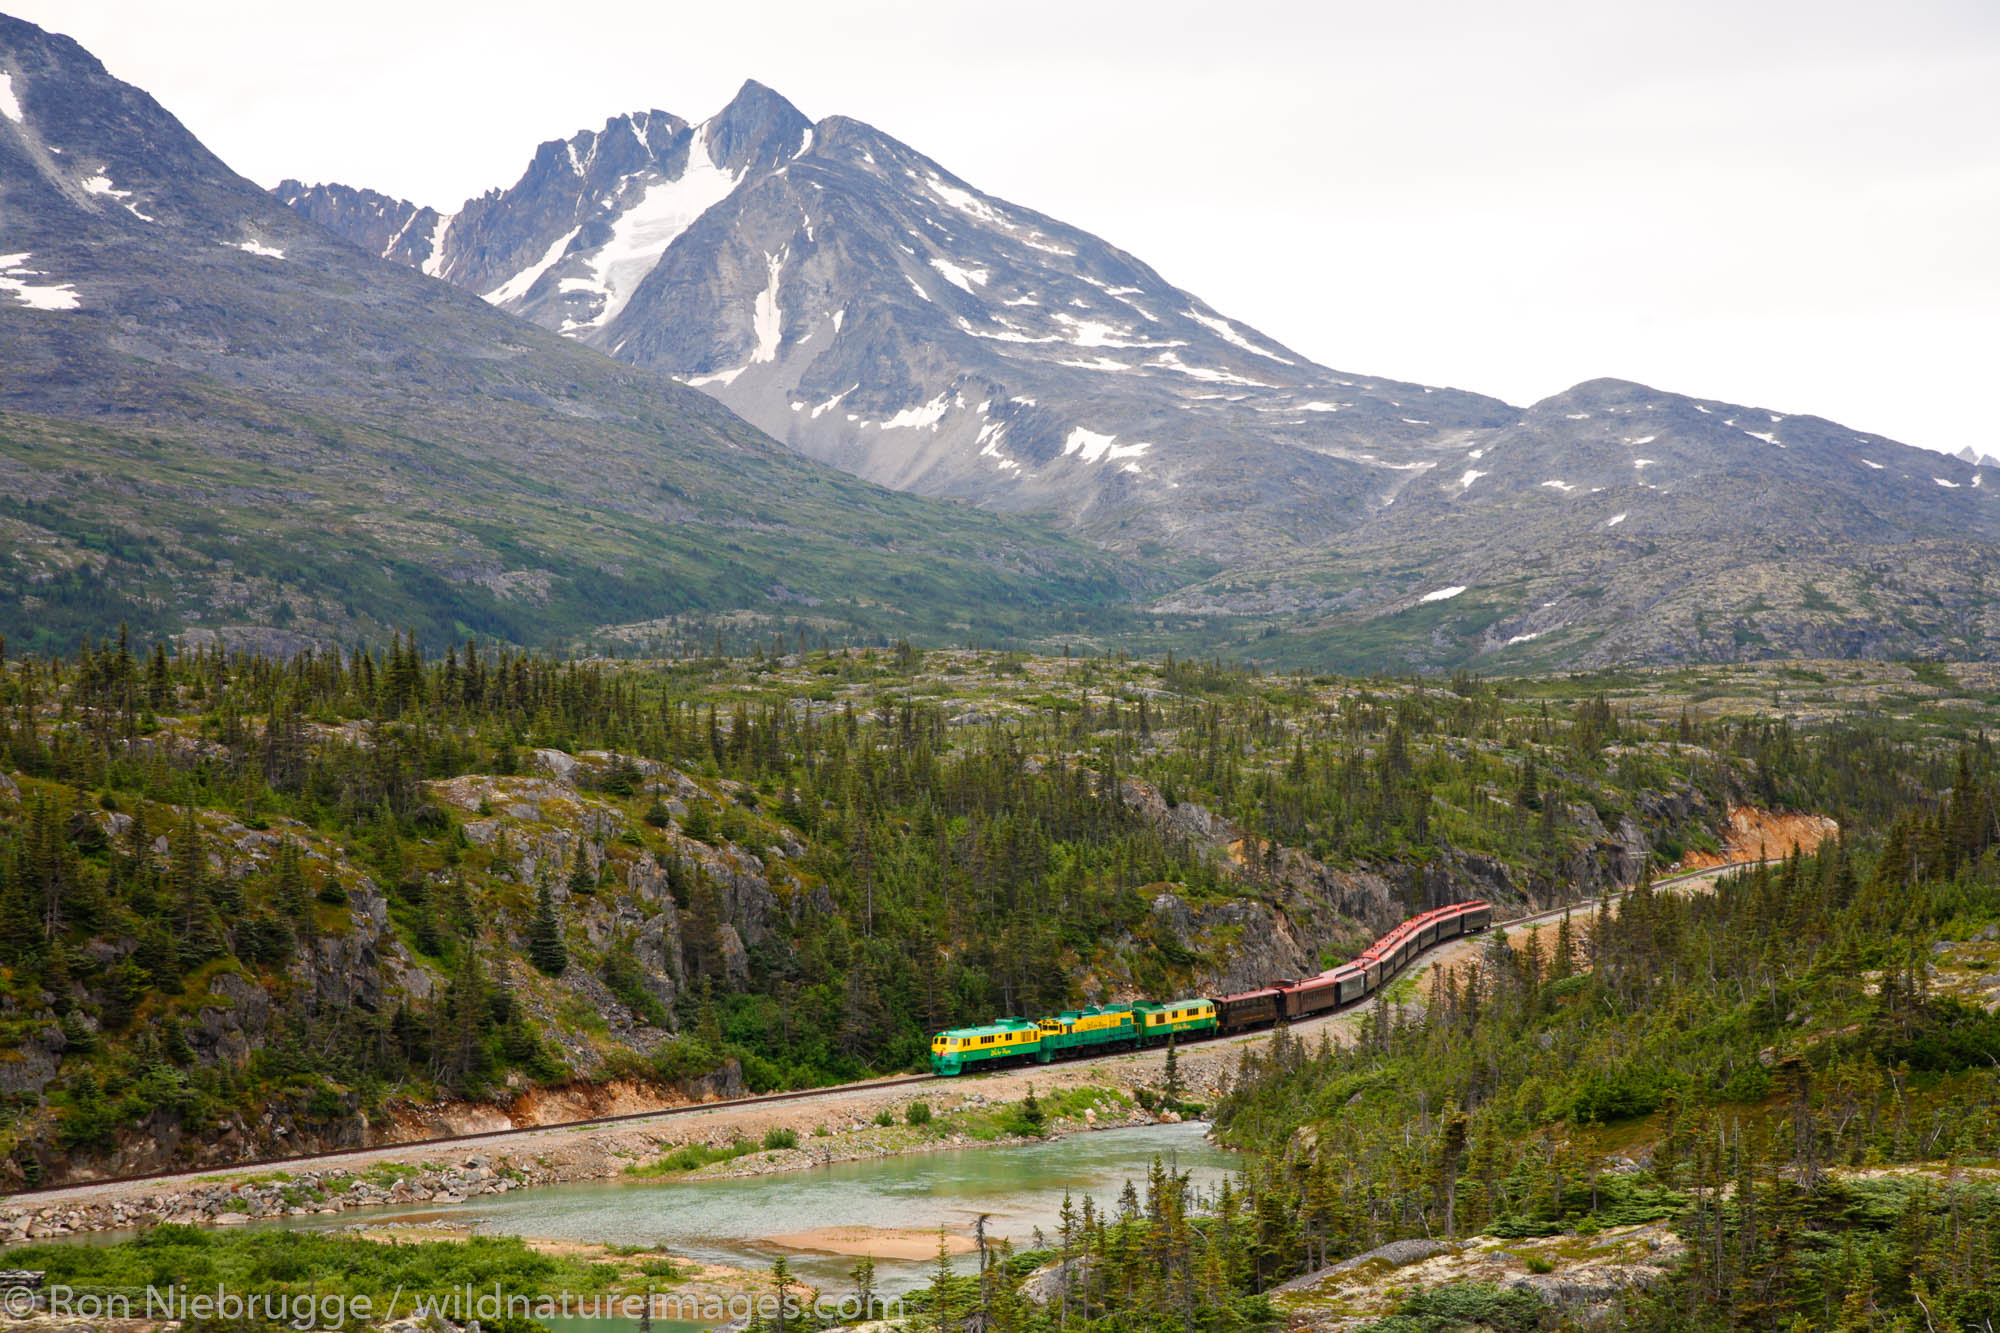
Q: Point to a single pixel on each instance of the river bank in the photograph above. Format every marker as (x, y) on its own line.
(821, 1220)
(838, 1127)
(835, 1126)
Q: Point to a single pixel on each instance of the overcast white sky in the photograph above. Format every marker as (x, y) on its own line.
(1793, 205)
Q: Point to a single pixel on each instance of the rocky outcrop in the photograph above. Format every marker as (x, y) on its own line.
(1294, 909)
(228, 1031)
(1584, 1280)
(280, 1126)
(1052, 1281)
(1396, 1254)
(30, 1066)
(1591, 1288)
(657, 946)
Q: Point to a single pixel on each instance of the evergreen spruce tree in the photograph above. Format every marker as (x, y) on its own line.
(546, 949)
(863, 1277)
(782, 1287)
(944, 1305)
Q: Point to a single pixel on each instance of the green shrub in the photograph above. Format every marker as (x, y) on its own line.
(1475, 1304)
(684, 1058)
(919, 1113)
(692, 1157)
(627, 980)
(1751, 1083)
(775, 1139)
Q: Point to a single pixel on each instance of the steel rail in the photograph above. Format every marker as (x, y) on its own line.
(770, 1098)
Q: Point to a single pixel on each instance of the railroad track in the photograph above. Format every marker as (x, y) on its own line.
(696, 1108)
(764, 1099)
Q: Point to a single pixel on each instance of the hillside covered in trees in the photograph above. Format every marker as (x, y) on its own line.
(1772, 1106)
(335, 895)
(1800, 1071)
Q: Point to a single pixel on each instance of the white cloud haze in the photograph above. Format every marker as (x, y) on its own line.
(1793, 205)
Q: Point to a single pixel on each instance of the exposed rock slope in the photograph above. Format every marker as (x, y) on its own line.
(215, 413)
(857, 300)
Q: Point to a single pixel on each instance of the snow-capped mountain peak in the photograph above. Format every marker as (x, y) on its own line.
(860, 301)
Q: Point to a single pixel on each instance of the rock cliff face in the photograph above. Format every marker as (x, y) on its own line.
(356, 963)
(1298, 915)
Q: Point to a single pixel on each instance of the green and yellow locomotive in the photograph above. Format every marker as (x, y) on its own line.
(1071, 1032)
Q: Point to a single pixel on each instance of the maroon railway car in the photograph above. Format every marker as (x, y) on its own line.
(1336, 987)
(1247, 1009)
(1329, 990)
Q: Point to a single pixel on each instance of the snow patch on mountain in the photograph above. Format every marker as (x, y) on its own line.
(1172, 361)
(769, 320)
(916, 418)
(14, 275)
(961, 278)
(833, 402)
(1094, 333)
(10, 105)
(103, 186)
(433, 265)
(644, 231)
(519, 285)
(1443, 594)
(1223, 329)
(965, 201)
(1090, 445)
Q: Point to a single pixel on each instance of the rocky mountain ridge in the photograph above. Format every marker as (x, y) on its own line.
(215, 415)
(1617, 523)
(871, 309)
(858, 301)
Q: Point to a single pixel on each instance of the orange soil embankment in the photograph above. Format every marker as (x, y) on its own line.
(1755, 834)
(530, 1108)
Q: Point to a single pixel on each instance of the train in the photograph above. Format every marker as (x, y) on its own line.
(1100, 1028)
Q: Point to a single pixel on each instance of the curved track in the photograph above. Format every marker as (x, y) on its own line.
(866, 1085)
